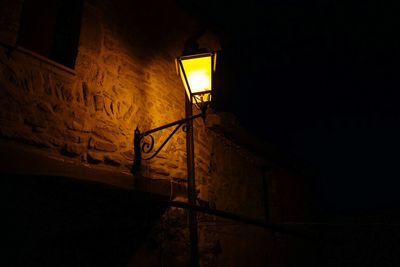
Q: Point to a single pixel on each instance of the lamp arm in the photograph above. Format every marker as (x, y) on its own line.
(140, 146)
(181, 121)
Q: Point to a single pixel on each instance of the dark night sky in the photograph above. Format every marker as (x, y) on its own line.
(320, 80)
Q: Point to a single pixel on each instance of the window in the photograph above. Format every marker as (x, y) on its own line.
(51, 28)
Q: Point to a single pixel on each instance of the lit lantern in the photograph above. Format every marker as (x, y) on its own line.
(196, 73)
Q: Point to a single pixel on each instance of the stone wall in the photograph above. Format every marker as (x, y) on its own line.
(125, 77)
(236, 186)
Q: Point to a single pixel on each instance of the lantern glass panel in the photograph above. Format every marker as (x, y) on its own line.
(198, 72)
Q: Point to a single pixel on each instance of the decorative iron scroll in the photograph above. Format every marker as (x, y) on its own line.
(144, 142)
(148, 145)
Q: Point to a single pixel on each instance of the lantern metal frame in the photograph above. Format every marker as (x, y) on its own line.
(200, 105)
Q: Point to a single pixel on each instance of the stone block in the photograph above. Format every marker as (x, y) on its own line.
(160, 171)
(81, 123)
(123, 144)
(68, 136)
(72, 149)
(128, 114)
(54, 141)
(63, 92)
(98, 102)
(162, 155)
(105, 146)
(45, 107)
(58, 108)
(106, 133)
(128, 154)
(35, 120)
(112, 160)
(91, 143)
(108, 106)
(94, 157)
(75, 125)
(85, 93)
(171, 165)
(178, 175)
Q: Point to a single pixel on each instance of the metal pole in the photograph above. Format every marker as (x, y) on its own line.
(194, 250)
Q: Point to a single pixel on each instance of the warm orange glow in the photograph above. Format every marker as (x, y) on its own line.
(199, 81)
(198, 72)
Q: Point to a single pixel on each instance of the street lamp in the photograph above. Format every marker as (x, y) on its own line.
(196, 70)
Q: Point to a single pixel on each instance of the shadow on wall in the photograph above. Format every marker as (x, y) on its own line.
(149, 27)
(53, 221)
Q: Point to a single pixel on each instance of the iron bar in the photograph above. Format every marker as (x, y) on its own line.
(281, 228)
(181, 121)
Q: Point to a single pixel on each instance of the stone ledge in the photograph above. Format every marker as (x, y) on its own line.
(22, 160)
(17, 159)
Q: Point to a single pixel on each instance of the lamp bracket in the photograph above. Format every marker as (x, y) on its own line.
(144, 142)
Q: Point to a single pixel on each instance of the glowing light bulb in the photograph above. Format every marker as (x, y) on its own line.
(199, 81)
